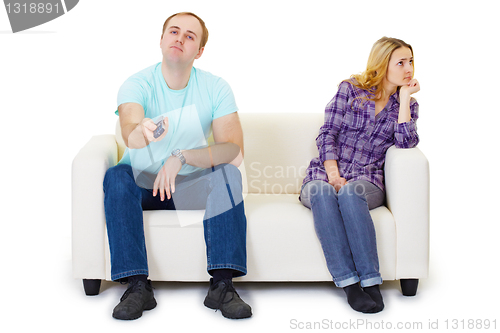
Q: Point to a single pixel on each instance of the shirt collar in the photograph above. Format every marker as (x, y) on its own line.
(395, 96)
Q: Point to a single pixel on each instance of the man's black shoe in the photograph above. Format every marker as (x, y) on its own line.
(137, 298)
(222, 296)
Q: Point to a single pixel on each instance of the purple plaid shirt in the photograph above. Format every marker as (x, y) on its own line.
(358, 139)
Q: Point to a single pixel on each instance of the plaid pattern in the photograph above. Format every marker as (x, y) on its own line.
(357, 139)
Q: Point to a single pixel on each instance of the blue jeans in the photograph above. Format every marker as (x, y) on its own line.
(345, 229)
(217, 190)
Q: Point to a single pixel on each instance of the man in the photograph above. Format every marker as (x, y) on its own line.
(166, 112)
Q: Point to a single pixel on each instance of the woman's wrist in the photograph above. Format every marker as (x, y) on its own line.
(331, 168)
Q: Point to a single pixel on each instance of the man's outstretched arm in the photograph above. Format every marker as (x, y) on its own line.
(137, 131)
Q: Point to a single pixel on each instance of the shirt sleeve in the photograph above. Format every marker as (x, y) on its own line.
(224, 102)
(134, 90)
(406, 133)
(334, 114)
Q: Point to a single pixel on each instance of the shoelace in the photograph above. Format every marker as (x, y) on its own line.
(228, 287)
(134, 287)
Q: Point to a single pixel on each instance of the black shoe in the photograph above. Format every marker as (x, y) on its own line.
(137, 298)
(222, 296)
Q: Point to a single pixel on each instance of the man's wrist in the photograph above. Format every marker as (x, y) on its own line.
(178, 153)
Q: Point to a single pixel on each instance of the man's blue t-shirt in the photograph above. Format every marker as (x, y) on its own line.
(190, 113)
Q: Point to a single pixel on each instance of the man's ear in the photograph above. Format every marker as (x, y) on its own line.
(200, 52)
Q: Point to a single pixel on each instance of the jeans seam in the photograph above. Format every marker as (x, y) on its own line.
(129, 273)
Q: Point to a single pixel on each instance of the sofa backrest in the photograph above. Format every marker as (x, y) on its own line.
(278, 149)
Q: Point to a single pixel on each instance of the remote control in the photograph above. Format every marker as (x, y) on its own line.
(159, 129)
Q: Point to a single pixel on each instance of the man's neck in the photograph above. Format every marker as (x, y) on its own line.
(176, 78)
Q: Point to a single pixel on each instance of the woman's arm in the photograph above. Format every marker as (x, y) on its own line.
(404, 100)
(332, 171)
(334, 115)
(406, 135)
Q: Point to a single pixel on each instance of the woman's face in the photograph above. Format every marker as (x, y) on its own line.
(400, 69)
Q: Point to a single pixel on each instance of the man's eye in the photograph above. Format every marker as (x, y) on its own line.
(173, 32)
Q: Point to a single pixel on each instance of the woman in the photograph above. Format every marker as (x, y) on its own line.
(370, 112)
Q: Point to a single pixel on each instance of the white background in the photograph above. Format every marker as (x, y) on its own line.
(58, 86)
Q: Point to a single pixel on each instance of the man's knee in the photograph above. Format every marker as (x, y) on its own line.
(233, 174)
(119, 176)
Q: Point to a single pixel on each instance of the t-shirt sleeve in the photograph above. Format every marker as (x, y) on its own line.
(223, 101)
(134, 90)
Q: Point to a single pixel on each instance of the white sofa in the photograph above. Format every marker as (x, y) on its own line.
(281, 240)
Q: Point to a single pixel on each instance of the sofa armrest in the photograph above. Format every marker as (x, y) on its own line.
(88, 220)
(407, 193)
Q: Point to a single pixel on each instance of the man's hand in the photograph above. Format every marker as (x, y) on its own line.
(148, 128)
(137, 131)
(165, 179)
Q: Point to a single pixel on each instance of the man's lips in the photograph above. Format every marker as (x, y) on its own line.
(176, 47)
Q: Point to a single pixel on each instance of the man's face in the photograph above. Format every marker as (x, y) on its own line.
(181, 40)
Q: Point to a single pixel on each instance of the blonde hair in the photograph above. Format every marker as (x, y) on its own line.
(376, 68)
(204, 36)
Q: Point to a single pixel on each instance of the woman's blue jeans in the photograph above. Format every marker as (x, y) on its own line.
(345, 229)
(217, 190)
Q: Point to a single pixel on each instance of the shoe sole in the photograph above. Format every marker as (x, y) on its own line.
(150, 305)
(211, 304)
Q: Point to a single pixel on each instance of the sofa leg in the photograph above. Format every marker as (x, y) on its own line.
(91, 286)
(409, 286)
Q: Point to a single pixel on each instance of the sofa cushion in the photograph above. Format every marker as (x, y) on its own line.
(281, 242)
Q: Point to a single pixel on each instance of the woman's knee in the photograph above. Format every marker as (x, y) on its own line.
(317, 190)
(351, 193)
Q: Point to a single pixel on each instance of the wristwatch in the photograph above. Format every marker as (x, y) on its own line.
(177, 153)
